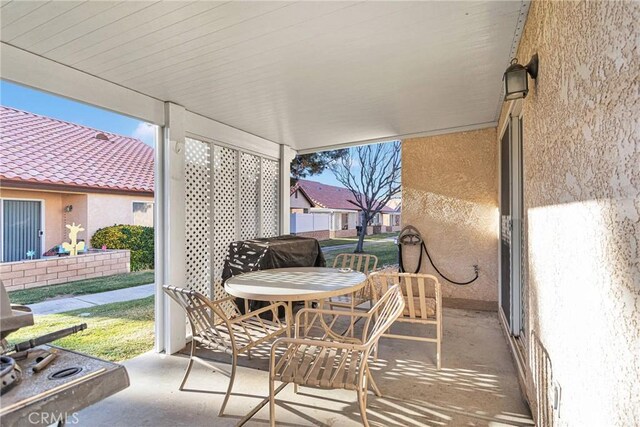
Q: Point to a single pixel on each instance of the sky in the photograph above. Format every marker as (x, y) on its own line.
(325, 177)
(34, 101)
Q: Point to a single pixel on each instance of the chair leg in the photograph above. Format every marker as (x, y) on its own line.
(362, 402)
(189, 366)
(233, 377)
(353, 319)
(439, 347)
(374, 386)
(272, 403)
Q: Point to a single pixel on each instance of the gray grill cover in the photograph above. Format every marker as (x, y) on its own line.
(268, 253)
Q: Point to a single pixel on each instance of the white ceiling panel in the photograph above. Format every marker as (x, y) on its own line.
(306, 74)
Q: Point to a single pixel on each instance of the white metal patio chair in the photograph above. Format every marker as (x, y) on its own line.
(423, 303)
(333, 361)
(219, 325)
(363, 263)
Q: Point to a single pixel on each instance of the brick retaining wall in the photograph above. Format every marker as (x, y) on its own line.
(56, 270)
(346, 233)
(319, 235)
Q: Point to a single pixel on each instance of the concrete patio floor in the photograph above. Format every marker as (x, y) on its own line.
(477, 386)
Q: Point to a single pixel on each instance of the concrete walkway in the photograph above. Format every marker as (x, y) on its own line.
(92, 300)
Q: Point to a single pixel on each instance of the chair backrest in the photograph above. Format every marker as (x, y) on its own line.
(422, 292)
(203, 315)
(364, 263)
(385, 311)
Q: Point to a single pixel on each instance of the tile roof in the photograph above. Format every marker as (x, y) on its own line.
(44, 151)
(329, 196)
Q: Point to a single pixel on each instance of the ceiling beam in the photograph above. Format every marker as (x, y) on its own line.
(28, 69)
(476, 126)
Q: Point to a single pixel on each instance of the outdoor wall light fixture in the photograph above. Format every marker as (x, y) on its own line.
(68, 208)
(516, 82)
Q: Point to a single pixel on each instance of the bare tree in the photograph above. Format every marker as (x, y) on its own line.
(372, 174)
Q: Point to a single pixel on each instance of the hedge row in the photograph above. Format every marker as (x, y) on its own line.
(136, 238)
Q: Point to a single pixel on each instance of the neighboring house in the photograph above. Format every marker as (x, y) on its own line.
(326, 211)
(54, 173)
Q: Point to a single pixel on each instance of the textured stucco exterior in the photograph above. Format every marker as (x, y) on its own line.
(92, 211)
(582, 205)
(78, 214)
(450, 194)
(298, 200)
(104, 210)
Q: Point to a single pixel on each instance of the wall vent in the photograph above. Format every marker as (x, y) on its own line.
(542, 378)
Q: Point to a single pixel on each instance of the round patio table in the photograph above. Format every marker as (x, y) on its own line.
(291, 284)
(295, 284)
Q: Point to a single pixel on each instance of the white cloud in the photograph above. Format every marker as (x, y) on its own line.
(146, 133)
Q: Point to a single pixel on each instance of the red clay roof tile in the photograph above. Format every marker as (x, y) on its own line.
(329, 196)
(44, 150)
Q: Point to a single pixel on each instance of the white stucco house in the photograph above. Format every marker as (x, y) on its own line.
(326, 211)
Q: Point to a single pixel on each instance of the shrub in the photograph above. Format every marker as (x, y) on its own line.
(136, 238)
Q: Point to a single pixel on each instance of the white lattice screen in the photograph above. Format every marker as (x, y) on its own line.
(270, 200)
(225, 209)
(230, 195)
(249, 196)
(198, 215)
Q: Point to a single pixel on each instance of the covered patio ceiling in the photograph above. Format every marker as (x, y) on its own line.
(304, 74)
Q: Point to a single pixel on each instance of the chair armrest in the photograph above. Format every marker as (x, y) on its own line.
(315, 343)
(317, 313)
(223, 300)
(256, 313)
(331, 312)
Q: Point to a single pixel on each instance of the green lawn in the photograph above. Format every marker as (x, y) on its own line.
(116, 332)
(82, 287)
(386, 252)
(336, 242)
(349, 240)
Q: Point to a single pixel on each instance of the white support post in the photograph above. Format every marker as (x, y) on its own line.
(159, 238)
(286, 156)
(174, 224)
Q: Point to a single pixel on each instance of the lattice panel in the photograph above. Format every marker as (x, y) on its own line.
(198, 215)
(270, 199)
(249, 196)
(225, 207)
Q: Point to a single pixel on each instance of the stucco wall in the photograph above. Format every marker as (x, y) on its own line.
(104, 210)
(53, 212)
(582, 201)
(93, 211)
(78, 215)
(297, 200)
(450, 194)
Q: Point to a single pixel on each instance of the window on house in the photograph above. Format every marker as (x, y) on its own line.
(143, 213)
(396, 220)
(345, 221)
